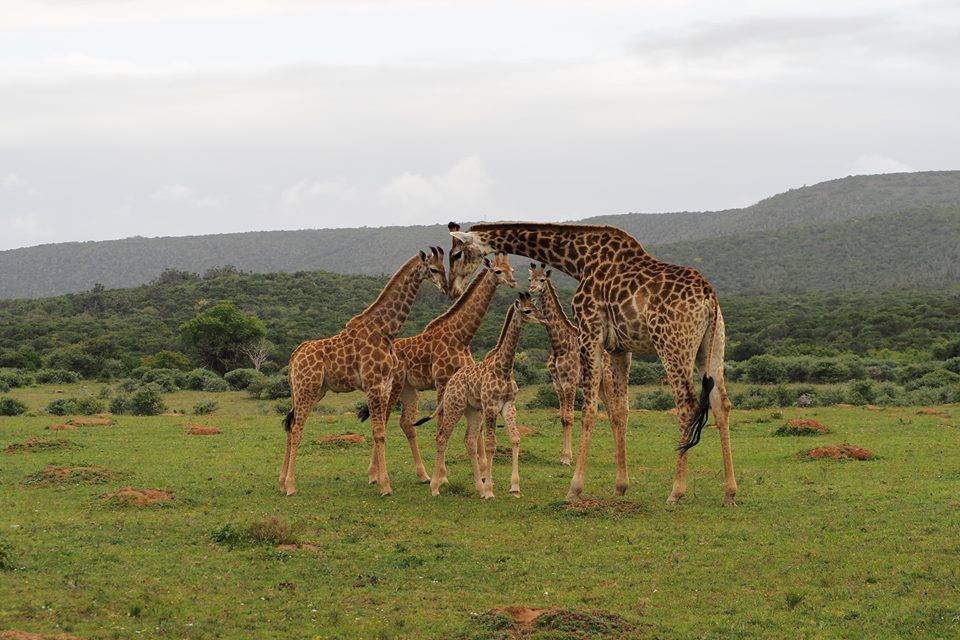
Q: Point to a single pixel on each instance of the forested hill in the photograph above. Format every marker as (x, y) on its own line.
(714, 241)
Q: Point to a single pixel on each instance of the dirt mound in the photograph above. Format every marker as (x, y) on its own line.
(341, 440)
(603, 507)
(62, 427)
(91, 421)
(929, 411)
(26, 635)
(38, 444)
(801, 427)
(202, 430)
(520, 622)
(524, 430)
(69, 475)
(840, 452)
(130, 497)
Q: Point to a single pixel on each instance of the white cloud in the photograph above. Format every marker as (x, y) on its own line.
(463, 190)
(179, 194)
(12, 181)
(876, 163)
(306, 191)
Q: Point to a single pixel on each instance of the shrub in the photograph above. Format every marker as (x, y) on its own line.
(146, 400)
(15, 378)
(948, 350)
(527, 372)
(765, 370)
(166, 379)
(240, 379)
(273, 388)
(862, 392)
(215, 385)
(127, 385)
(756, 398)
(545, 398)
(112, 369)
(11, 407)
(828, 371)
(656, 400)
(166, 360)
(205, 406)
(4, 386)
(6, 556)
(934, 380)
(269, 368)
(195, 379)
(56, 376)
(646, 372)
(953, 364)
(86, 406)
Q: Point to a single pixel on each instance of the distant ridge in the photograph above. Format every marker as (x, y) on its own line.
(54, 269)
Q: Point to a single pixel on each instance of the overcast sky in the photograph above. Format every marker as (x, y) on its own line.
(123, 117)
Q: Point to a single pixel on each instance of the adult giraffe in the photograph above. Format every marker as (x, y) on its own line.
(628, 302)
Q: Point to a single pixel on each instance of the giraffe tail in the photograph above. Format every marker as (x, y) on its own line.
(699, 419)
(426, 418)
(363, 412)
(288, 421)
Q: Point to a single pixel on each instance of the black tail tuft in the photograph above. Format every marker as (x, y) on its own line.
(422, 420)
(699, 420)
(288, 421)
(363, 412)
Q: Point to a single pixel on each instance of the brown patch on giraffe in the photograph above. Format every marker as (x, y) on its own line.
(52, 476)
(341, 440)
(62, 427)
(33, 444)
(202, 430)
(91, 421)
(929, 411)
(12, 634)
(840, 452)
(802, 427)
(131, 497)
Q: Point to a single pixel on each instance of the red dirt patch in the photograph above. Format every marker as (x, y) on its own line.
(130, 497)
(802, 427)
(37, 444)
(69, 475)
(929, 411)
(840, 452)
(62, 427)
(26, 635)
(91, 421)
(341, 440)
(521, 614)
(202, 430)
(524, 430)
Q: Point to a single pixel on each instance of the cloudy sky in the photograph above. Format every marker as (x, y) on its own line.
(126, 117)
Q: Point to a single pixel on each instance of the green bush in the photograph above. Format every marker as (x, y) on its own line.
(953, 364)
(240, 379)
(215, 385)
(112, 369)
(146, 400)
(195, 379)
(646, 372)
(204, 407)
(4, 386)
(15, 378)
(166, 359)
(11, 407)
(656, 400)
(829, 371)
(545, 398)
(86, 406)
(56, 376)
(73, 358)
(934, 380)
(765, 369)
(166, 379)
(862, 392)
(271, 388)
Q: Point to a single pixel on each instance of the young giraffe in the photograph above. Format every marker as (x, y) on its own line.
(630, 302)
(359, 357)
(486, 389)
(564, 360)
(428, 359)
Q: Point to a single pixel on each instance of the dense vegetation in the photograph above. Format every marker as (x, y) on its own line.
(748, 259)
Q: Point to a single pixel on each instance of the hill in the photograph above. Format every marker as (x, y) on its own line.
(70, 267)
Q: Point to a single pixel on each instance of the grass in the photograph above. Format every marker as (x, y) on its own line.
(816, 548)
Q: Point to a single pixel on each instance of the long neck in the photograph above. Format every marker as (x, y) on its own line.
(463, 319)
(391, 308)
(506, 350)
(558, 325)
(573, 249)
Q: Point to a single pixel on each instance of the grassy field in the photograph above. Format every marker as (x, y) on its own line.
(815, 549)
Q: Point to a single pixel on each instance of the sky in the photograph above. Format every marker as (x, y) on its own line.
(126, 117)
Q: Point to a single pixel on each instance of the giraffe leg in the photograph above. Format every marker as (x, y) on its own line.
(590, 357)
(373, 472)
(303, 401)
(377, 399)
(681, 380)
(510, 418)
(470, 439)
(490, 442)
(721, 405)
(615, 380)
(448, 420)
(474, 427)
(409, 400)
(567, 396)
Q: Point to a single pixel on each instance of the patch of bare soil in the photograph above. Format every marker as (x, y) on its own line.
(38, 444)
(525, 623)
(341, 440)
(802, 427)
(91, 421)
(202, 430)
(131, 497)
(604, 507)
(524, 430)
(872, 407)
(929, 411)
(840, 452)
(62, 427)
(27, 635)
(69, 475)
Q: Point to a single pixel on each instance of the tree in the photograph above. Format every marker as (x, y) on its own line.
(218, 334)
(258, 352)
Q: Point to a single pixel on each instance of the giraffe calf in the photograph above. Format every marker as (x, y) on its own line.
(484, 390)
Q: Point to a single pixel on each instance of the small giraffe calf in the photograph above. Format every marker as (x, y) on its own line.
(486, 388)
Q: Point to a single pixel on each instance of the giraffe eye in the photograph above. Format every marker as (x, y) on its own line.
(498, 271)
(434, 270)
(526, 312)
(456, 255)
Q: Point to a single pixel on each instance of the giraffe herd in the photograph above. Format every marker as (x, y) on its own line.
(628, 302)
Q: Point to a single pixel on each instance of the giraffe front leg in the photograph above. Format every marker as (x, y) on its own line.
(510, 419)
(590, 355)
(444, 430)
(567, 397)
(409, 400)
(490, 445)
(473, 453)
(377, 398)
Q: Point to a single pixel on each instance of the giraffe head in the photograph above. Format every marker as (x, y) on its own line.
(465, 257)
(527, 310)
(502, 271)
(431, 268)
(539, 275)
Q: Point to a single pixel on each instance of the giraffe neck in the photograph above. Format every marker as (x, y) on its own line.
(391, 308)
(558, 325)
(573, 249)
(463, 319)
(505, 352)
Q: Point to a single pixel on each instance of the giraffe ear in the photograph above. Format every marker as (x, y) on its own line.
(487, 263)
(453, 226)
(533, 265)
(423, 256)
(548, 272)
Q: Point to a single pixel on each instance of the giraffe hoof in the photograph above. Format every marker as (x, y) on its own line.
(424, 479)
(515, 493)
(728, 501)
(291, 491)
(621, 489)
(565, 462)
(386, 492)
(674, 498)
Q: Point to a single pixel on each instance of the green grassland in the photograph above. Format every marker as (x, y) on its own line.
(814, 549)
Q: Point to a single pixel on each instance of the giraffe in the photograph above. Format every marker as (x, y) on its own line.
(629, 302)
(359, 357)
(486, 389)
(428, 359)
(564, 360)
